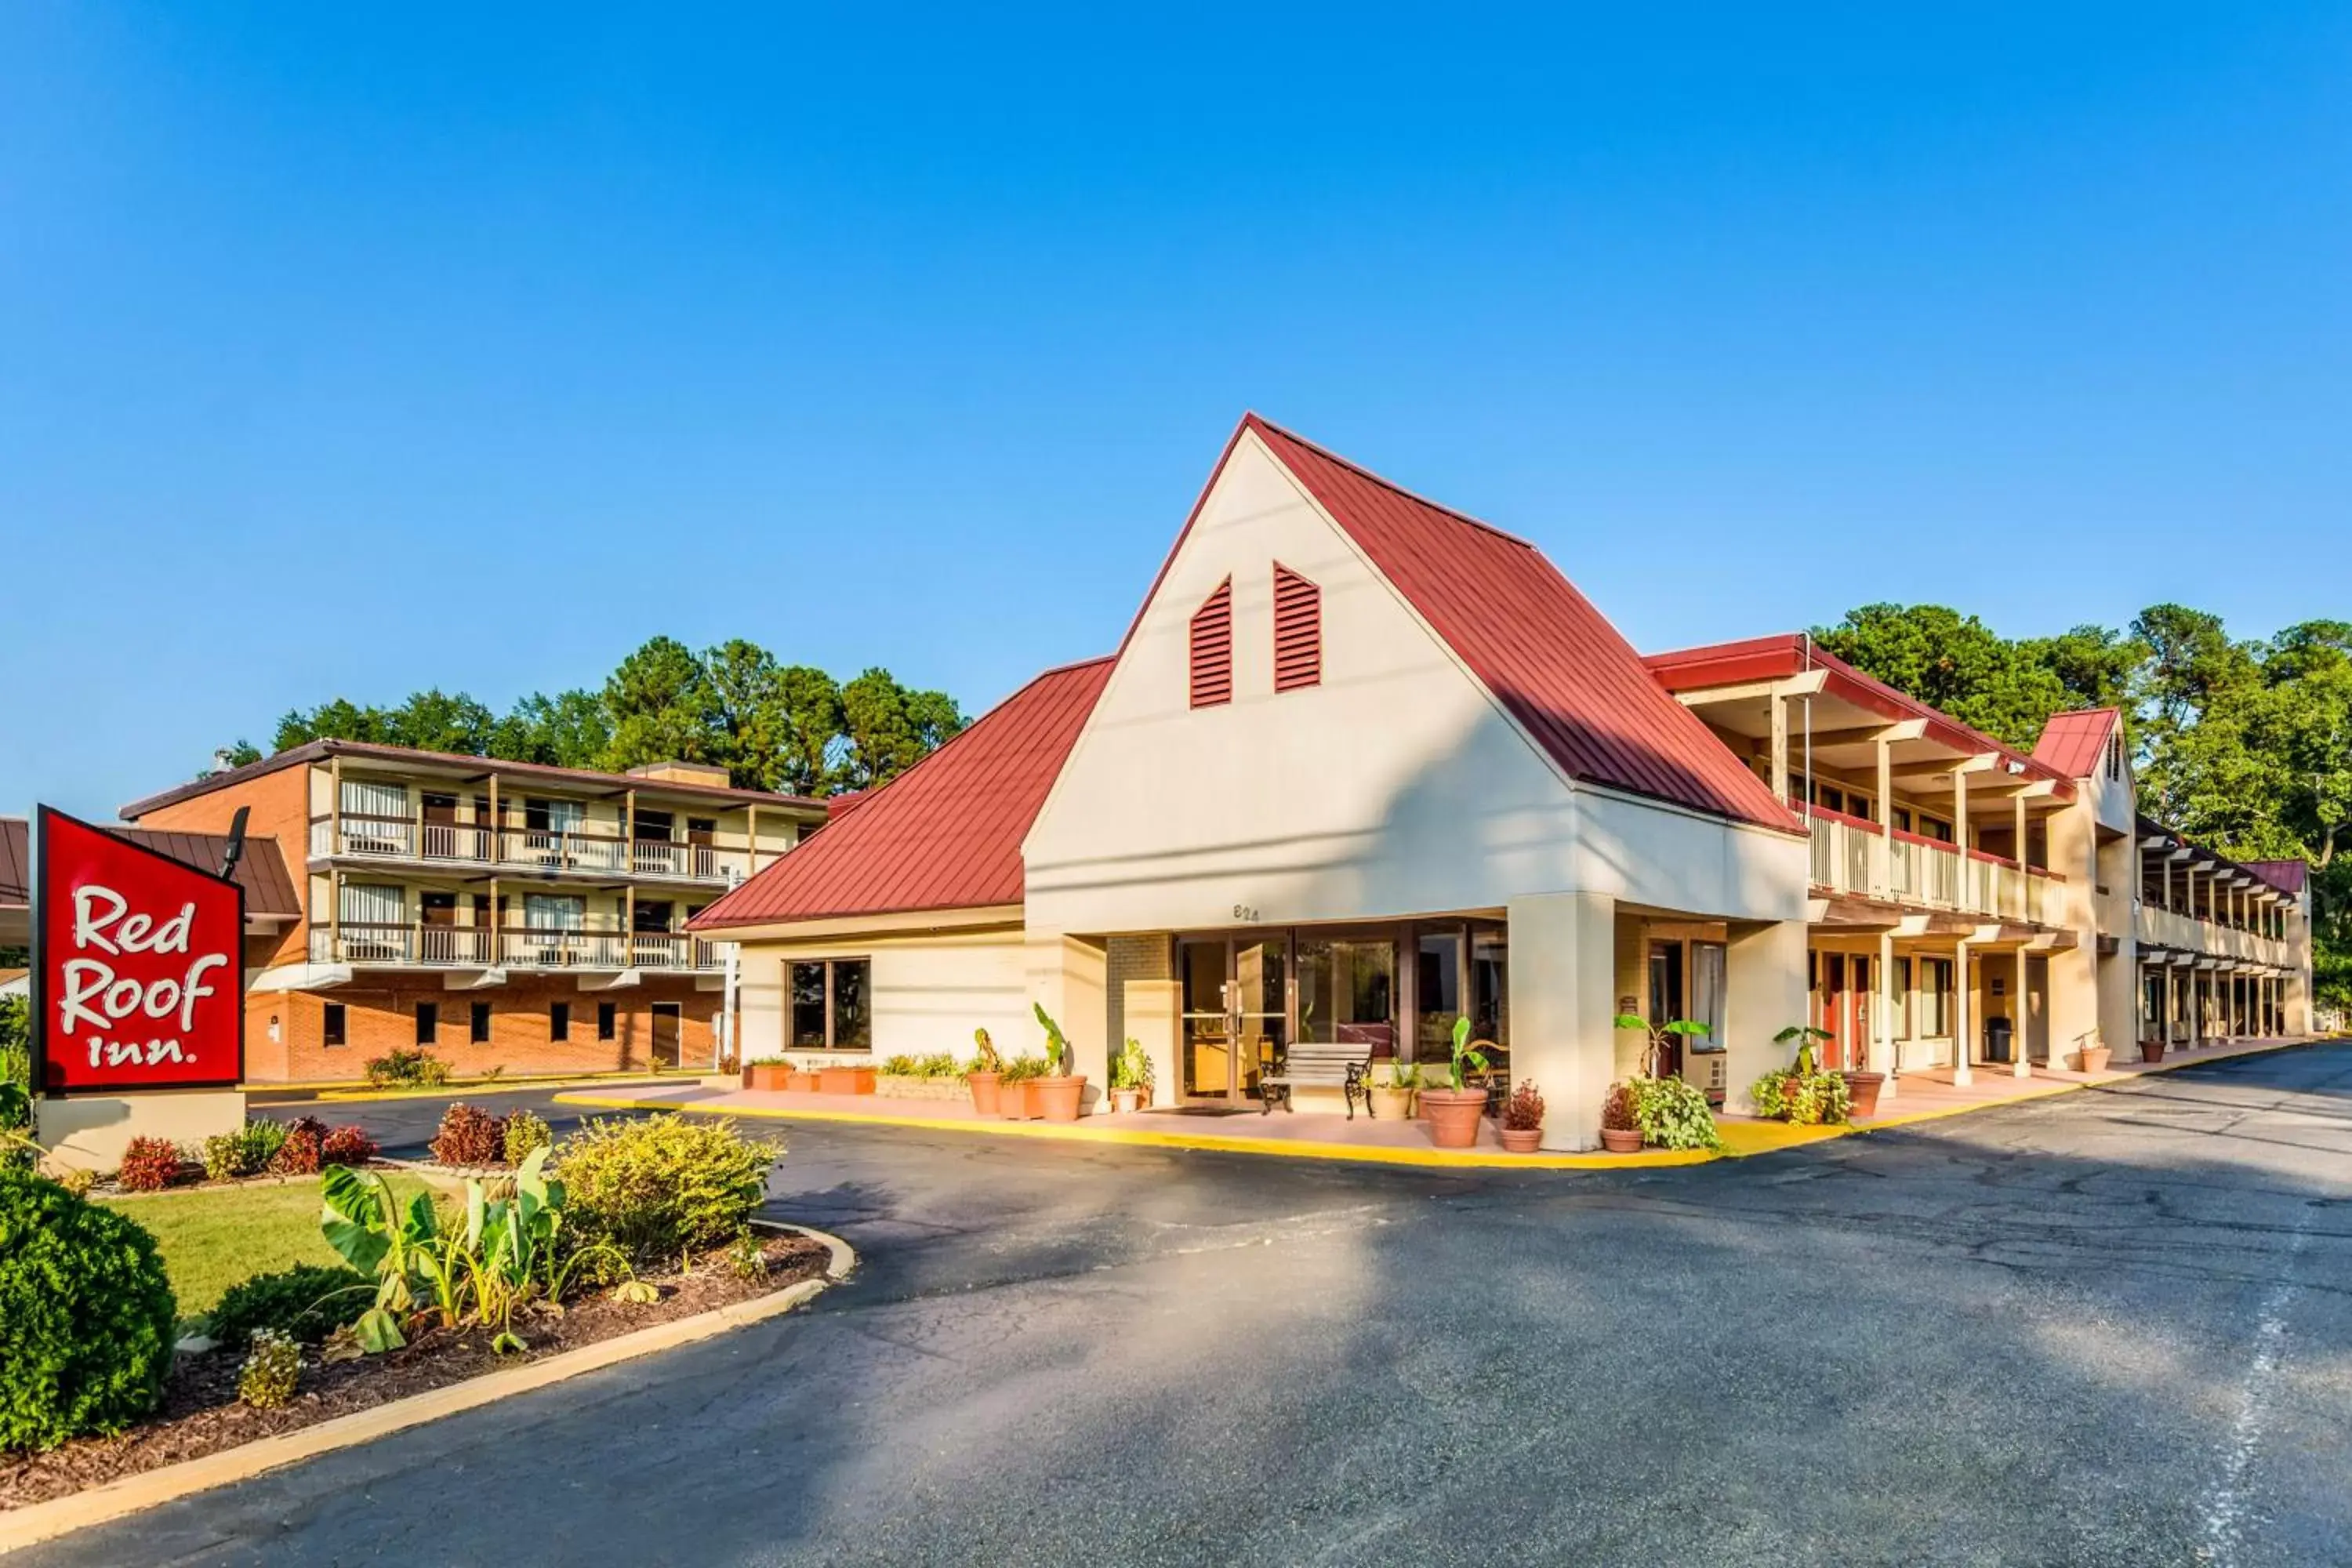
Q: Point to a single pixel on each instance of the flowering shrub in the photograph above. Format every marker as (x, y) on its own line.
(149, 1165)
(298, 1155)
(469, 1136)
(271, 1373)
(1523, 1111)
(347, 1146)
(1617, 1111)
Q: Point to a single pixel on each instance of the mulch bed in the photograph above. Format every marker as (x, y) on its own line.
(201, 1414)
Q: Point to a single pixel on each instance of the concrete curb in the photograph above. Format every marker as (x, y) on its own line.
(151, 1488)
(1744, 1140)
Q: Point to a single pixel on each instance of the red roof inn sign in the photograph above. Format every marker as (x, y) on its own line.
(138, 975)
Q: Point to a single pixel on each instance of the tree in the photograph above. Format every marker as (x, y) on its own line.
(569, 730)
(1953, 662)
(663, 709)
(888, 728)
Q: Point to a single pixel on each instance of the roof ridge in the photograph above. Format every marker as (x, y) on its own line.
(1259, 421)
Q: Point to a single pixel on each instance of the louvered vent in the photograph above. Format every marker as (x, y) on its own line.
(1213, 649)
(1298, 630)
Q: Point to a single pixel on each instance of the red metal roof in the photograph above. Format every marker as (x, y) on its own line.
(269, 892)
(944, 835)
(2074, 743)
(1548, 656)
(2286, 876)
(1784, 654)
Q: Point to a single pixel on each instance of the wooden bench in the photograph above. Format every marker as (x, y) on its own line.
(1345, 1066)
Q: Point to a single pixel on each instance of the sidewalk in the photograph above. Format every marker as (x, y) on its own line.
(1324, 1135)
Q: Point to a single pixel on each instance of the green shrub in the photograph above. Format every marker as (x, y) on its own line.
(88, 1314)
(272, 1373)
(244, 1153)
(224, 1157)
(1020, 1070)
(940, 1065)
(78, 1181)
(900, 1066)
(663, 1186)
(1672, 1114)
(1806, 1099)
(524, 1132)
(305, 1302)
(400, 1069)
(149, 1165)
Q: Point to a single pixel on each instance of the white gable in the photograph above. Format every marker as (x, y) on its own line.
(1397, 787)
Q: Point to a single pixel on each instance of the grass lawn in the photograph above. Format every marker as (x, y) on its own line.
(212, 1237)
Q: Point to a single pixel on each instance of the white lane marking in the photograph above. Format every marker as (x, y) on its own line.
(2224, 1505)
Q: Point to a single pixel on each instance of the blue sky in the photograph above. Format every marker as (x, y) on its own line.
(346, 349)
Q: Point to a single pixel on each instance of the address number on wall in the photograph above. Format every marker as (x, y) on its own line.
(1246, 913)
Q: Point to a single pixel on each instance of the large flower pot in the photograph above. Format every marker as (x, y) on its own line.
(1126, 1101)
(2151, 1050)
(1453, 1115)
(1058, 1099)
(1862, 1087)
(1622, 1139)
(800, 1083)
(2094, 1059)
(766, 1076)
(1394, 1104)
(1521, 1140)
(984, 1092)
(1015, 1100)
(845, 1080)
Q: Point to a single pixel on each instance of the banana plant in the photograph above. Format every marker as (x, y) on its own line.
(1466, 1060)
(1804, 1036)
(362, 1221)
(1057, 1045)
(1655, 1056)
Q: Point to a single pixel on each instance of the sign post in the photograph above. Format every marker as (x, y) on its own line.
(137, 990)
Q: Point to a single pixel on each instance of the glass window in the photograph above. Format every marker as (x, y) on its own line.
(559, 1020)
(477, 1024)
(1436, 993)
(1902, 998)
(1347, 992)
(428, 1022)
(852, 1022)
(1707, 988)
(335, 1026)
(608, 1018)
(808, 1006)
(1490, 985)
(1934, 997)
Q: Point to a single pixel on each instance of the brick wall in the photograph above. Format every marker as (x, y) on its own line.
(1132, 958)
(281, 804)
(380, 1014)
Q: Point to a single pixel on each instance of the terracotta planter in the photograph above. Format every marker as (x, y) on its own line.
(1521, 1140)
(1622, 1139)
(1864, 1087)
(800, 1083)
(1016, 1101)
(1392, 1104)
(984, 1092)
(2095, 1058)
(1126, 1101)
(767, 1076)
(2151, 1050)
(1059, 1098)
(1453, 1115)
(845, 1080)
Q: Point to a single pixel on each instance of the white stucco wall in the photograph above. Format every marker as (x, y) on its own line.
(930, 991)
(1396, 786)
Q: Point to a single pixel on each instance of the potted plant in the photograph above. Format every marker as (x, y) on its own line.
(1801, 1098)
(1523, 1116)
(1619, 1133)
(845, 1078)
(2091, 1052)
(1653, 1056)
(1454, 1111)
(1130, 1079)
(1059, 1092)
(1673, 1114)
(1861, 1086)
(1016, 1088)
(986, 1067)
(2151, 1050)
(767, 1073)
(800, 1079)
(1394, 1097)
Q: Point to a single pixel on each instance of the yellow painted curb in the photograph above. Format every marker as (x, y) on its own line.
(346, 1094)
(1300, 1149)
(151, 1488)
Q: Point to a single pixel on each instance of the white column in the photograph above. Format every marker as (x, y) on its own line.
(1562, 979)
(2021, 1011)
(1764, 992)
(1886, 1056)
(1963, 1021)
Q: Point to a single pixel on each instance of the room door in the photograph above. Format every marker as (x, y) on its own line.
(1236, 1014)
(668, 1033)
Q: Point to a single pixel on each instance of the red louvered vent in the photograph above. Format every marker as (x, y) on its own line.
(1298, 630)
(1213, 649)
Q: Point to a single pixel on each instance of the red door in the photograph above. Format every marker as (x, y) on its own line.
(1841, 1006)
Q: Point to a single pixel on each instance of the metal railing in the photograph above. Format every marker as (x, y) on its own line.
(1923, 872)
(540, 849)
(2170, 928)
(418, 945)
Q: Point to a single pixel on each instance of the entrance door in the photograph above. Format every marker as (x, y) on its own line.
(1666, 1002)
(1236, 1007)
(669, 1032)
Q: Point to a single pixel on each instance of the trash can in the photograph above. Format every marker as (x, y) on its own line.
(1997, 1039)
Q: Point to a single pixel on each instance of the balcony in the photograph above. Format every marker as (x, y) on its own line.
(1927, 873)
(415, 945)
(2160, 927)
(406, 841)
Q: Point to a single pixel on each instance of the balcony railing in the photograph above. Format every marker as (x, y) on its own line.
(413, 944)
(536, 849)
(1925, 873)
(2160, 927)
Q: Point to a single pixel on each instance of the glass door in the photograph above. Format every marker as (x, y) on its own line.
(1236, 1014)
(1207, 1048)
(1261, 1010)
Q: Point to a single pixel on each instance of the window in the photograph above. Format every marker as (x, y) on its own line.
(335, 1034)
(477, 1025)
(1902, 998)
(1936, 828)
(831, 1004)
(1298, 630)
(559, 1020)
(1858, 806)
(428, 1022)
(1213, 649)
(1902, 817)
(1490, 985)
(376, 818)
(554, 816)
(1707, 987)
(1347, 992)
(2116, 752)
(373, 922)
(1436, 993)
(1934, 997)
(608, 1021)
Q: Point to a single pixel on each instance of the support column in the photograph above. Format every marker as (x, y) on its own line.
(1882, 855)
(1885, 1053)
(2025, 903)
(1562, 983)
(1780, 706)
(1067, 977)
(1963, 1015)
(1960, 838)
(2163, 1027)
(2021, 1005)
(1764, 984)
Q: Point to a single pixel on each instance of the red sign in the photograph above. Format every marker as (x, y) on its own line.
(138, 973)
